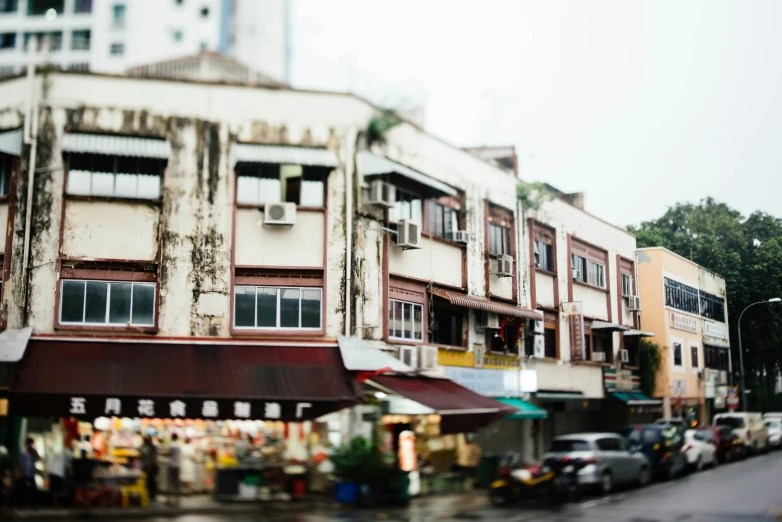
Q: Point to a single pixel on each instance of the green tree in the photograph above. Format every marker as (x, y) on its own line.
(747, 252)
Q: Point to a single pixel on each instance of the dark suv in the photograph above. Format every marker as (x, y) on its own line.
(661, 444)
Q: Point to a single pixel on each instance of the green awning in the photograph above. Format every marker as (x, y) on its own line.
(525, 410)
(636, 399)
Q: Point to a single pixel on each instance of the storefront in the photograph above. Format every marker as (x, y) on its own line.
(245, 414)
(626, 403)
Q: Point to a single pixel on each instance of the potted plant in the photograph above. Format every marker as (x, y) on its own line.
(354, 465)
(248, 487)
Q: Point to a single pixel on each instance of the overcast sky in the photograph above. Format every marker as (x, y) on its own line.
(639, 104)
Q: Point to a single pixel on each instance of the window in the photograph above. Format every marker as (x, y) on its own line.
(631, 344)
(544, 256)
(83, 6)
(715, 357)
(107, 303)
(117, 49)
(681, 296)
(265, 307)
(118, 15)
(579, 267)
(80, 40)
(405, 320)
(603, 343)
(203, 46)
(712, 307)
(694, 357)
(499, 240)
(7, 40)
(9, 6)
(5, 175)
(178, 35)
(506, 339)
(114, 176)
(627, 284)
(677, 354)
(569, 445)
(447, 326)
(39, 7)
(262, 183)
(204, 12)
(596, 276)
(441, 220)
(550, 337)
(407, 206)
(51, 41)
(608, 444)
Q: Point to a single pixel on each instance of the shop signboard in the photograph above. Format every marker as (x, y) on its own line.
(715, 330)
(720, 397)
(619, 379)
(733, 398)
(93, 406)
(490, 383)
(575, 314)
(683, 322)
(679, 387)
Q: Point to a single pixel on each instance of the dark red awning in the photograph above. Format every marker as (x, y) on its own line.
(290, 383)
(461, 410)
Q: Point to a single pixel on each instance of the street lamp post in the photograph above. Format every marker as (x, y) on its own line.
(741, 353)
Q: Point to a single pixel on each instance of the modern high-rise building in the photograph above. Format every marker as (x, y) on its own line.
(110, 36)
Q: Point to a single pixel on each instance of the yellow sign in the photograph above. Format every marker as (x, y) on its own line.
(3, 407)
(455, 358)
(500, 362)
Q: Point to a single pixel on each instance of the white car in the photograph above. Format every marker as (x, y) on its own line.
(700, 452)
(748, 426)
(774, 427)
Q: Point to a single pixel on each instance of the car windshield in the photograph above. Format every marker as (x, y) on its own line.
(733, 422)
(772, 423)
(568, 445)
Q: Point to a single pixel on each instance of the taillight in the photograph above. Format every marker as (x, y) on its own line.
(591, 460)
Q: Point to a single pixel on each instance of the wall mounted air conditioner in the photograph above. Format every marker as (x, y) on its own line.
(723, 378)
(624, 356)
(427, 357)
(539, 347)
(599, 356)
(382, 193)
(577, 274)
(633, 303)
(279, 214)
(408, 234)
(537, 327)
(488, 321)
(461, 236)
(504, 266)
(407, 354)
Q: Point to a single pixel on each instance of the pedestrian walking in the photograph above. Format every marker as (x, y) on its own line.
(28, 491)
(174, 469)
(149, 466)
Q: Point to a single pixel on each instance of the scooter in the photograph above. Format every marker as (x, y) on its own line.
(555, 480)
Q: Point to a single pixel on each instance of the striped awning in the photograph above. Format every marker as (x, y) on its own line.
(11, 142)
(608, 327)
(310, 156)
(371, 165)
(480, 303)
(638, 333)
(129, 146)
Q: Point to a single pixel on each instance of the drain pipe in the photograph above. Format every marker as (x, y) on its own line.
(349, 238)
(31, 137)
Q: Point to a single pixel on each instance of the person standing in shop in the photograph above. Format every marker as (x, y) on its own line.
(149, 466)
(188, 469)
(26, 473)
(174, 466)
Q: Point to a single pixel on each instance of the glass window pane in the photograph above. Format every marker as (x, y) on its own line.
(310, 308)
(79, 182)
(119, 303)
(143, 304)
(126, 186)
(417, 211)
(102, 184)
(289, 308)
(397, 324)
(95, 304)
(148, 186)
(271, 190)
(267, 308)
(248, 190)
(311, 194)
(408, 323)
(418, 330)
(244, 306)
(72, 303)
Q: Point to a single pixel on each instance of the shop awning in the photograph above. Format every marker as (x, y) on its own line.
(481, 303)
(11, 142)
(311, 156)
(460, 410)
(713, 341)
(608, 327)
(359, 356)
(637, 333)
(524, 409)
(13, 344)
(636, 399)
(370, 165)
(167, 380)
(129, 146)
(553, 395)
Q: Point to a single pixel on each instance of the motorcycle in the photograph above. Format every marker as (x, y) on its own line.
(555, 480)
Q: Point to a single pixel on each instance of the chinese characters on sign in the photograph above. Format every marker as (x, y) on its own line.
(575, 315)
(684, 322)
(715, 330)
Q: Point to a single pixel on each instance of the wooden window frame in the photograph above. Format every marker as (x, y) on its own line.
(261, 206)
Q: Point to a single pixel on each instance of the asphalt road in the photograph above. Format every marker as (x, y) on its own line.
(747, 491)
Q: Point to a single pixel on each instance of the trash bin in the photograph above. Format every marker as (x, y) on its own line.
(487, 471)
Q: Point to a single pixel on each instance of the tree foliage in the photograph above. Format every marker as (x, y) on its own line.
(747, 252)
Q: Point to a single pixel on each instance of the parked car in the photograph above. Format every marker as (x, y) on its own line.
(699, 450)
(608, 457)
(748, 427)
(661, 444)
(774, 427)
(727, 444)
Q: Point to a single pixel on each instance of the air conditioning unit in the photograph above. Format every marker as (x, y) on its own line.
(599, 356)
(461, 236)
(624, 356)
(537, 260)
(382, 193)
(539, 347)
(279, 214)
(537, 327)
(577, 274)
(504, 266)
(701, 375)
(407, 354)
(408, 234)
(427, 357)
(488, 321)
(723, 378)
(633, 303)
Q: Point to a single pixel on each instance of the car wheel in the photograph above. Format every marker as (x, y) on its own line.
(606, 482)
(644, 477)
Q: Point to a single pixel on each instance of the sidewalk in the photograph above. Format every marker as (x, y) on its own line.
(438, 505)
